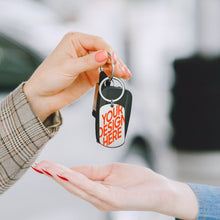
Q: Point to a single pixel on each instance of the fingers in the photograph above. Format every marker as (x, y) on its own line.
(67, 177)
(57, 174)
(90, 42)
(85, 62)
(77, 184)
(79, 44)
(95, 173)
(121, 71)
(97, 43)
(92, 62)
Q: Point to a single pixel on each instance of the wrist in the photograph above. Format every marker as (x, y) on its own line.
(38, 105)
(181, 202)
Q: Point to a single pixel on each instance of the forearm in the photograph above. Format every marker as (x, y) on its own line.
(189, 201)
(177, 199)
(22, 136)
(184, 201)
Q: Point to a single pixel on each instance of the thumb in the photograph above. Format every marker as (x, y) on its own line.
(87, 62)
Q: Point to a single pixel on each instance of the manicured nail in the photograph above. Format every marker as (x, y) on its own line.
(122, 68)
(101, 56)
(114, 57)
(47, 172)
(63, 178)
(37, 170)
(127, 70)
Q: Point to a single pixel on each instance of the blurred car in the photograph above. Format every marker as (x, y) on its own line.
(21, 49)
(17, 62)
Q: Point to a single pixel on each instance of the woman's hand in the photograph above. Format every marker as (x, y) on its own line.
(124, 187)
(69, 72)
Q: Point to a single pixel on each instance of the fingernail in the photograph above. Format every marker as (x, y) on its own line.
(122, 68)
(114, 57)
(63, 178)
(128, 72)
(47, 172)
(37, 170)
(101, 56)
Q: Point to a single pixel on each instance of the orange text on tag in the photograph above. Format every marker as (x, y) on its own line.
(113, 121)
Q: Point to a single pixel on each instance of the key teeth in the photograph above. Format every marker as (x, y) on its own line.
(112, 103)
(94, 113)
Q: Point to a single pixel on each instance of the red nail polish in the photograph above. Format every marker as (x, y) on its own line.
(63, 178)
(37, 170)
(127, 70)
(47, 172)
(101, 56)
(122, 68)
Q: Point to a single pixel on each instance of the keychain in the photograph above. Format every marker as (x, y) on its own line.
(111, 109)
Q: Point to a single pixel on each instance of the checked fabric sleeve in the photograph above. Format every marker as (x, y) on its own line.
(22, 136)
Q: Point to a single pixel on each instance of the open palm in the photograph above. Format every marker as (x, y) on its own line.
(109, 187)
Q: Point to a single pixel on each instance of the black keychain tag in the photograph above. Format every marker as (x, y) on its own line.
(111, 109)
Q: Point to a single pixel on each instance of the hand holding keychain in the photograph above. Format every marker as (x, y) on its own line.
(111, 109)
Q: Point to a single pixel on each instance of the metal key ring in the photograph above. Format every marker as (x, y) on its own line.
(113, 67)
(114, 100)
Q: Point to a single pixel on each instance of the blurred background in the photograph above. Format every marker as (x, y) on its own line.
(172, 48)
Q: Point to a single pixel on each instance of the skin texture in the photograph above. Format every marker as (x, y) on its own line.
(120, 186)
(65, 75)
(69, 72)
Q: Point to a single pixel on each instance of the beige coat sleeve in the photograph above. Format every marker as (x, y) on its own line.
(22, 136)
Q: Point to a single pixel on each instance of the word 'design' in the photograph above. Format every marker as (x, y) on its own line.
(112, 125)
